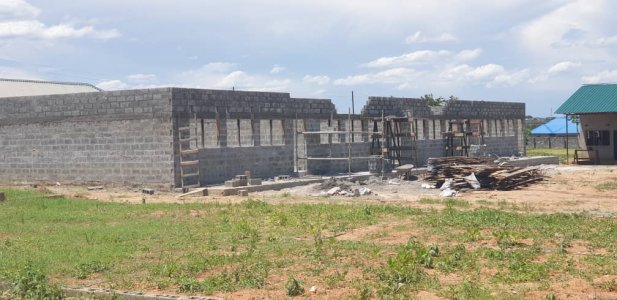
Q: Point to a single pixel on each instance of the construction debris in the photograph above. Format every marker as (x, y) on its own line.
(147, 191)
(92, 188)
(333, 187)
(463, 173)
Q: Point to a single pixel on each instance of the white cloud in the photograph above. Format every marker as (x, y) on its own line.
(489, 75)
(37, 30)
(395, 76)
(419, 38)
(598, 42)
(19, 20)
(509, 78)
(467, 55)
(490, 70)
(563, 66)
(219, 67)
(111, 85)
(554, 70)
(606, 76)
(223, 75)
(141, 78)
(16, 73)
(276, 69)
(577, 29)
(421, 56)
(318, 79)
(17, 9)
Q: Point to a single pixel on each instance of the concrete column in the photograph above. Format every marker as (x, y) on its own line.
(256, 124)
(222, 127)
(288, 131)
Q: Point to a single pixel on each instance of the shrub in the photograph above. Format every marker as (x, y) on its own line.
(293, 287)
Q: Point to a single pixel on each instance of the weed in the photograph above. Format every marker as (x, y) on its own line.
(468, 290)
(551, 296)
(429, 201)
(484, 202)
(505, 238)
(293, 287)
(363, 294)
(334, 279)
(190, 285)
(119, 241)
(286, 195)
(85, 269)
(521, 269)
(405, 269)
(472, 234)
(368, 210)
(245, 276)
(607, 186)
(456, 202)
(279, 219)
(563, 245)
(31, 283)
(454, 260)
(609, 286)
(245, 231)
(257, 204)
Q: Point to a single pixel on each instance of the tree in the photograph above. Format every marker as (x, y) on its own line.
(431, 101)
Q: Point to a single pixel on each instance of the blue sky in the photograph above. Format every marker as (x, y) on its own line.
(537, 52)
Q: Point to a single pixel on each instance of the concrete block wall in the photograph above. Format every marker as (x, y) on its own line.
(460, 109)
(220, 164)
(256, 130)
(132, 136)
(337, 150)
(120, 136)
(501, 120)
(501, 146)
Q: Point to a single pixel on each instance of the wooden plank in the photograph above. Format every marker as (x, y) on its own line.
(189, 163)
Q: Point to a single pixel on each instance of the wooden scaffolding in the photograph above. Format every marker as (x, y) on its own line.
(396, 141)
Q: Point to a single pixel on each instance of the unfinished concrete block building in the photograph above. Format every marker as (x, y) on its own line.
(185, 137)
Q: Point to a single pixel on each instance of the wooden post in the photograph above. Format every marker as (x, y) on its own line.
(567, 146)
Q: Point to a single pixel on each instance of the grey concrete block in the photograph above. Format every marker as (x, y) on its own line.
(232, 183)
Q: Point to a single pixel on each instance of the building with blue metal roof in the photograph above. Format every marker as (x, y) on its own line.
(553, 134)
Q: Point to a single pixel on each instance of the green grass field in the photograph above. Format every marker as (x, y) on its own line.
(278, 250)
(551, 152)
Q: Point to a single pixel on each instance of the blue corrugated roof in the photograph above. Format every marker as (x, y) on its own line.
(556, 126)
(591, 98)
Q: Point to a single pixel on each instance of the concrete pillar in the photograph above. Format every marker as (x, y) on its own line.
(222, 128)
(256, 126)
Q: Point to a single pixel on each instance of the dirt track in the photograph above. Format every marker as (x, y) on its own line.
(566, 189)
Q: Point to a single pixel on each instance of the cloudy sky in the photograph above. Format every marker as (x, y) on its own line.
(538, 52)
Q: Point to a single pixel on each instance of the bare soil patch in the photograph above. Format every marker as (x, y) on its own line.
(566, 189)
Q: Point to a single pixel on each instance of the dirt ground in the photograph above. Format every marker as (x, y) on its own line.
(565, 189)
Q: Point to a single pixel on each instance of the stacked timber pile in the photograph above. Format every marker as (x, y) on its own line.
(459, 160)
(461, 173)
